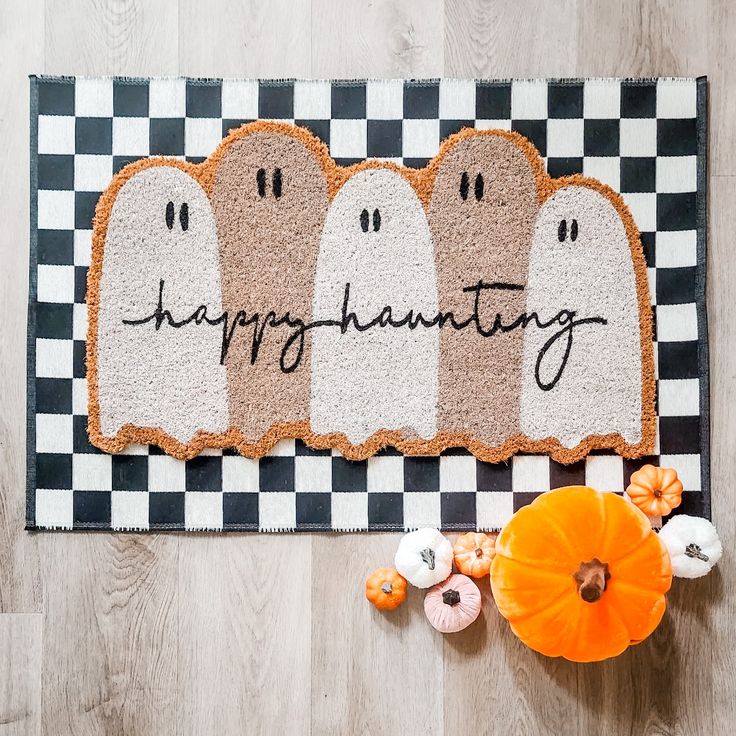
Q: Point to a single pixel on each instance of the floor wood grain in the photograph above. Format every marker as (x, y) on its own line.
(491, 678)
(135, 634)
(372, 673)
(721, 61)
(221, 38)
(245, 635)
(382, 38)
(20, 674)
(722, 614)
(110, 634)
(21, 44)
(639, 39)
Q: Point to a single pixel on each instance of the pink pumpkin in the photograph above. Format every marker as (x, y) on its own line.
(452, 605)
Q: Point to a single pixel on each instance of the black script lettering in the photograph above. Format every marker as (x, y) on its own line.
(293, 348)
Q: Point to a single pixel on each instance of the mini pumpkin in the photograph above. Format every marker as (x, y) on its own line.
(656, 491)
(424, 557)
(580, 574)
(385, 589)
(474, 553)
(453, 604)
(693, 545)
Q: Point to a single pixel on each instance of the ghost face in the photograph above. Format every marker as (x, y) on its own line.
(375, 240)
(161, 228)
(482, 209)
(270, 201)
(581, 262)
(481, 213)
(161, 242)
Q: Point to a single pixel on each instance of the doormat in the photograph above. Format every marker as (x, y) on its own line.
(284, 305)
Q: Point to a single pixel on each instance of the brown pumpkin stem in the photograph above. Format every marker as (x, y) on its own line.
(387, 588)
(693, 550)
(591, 578)
(451, 597)
(478, 552)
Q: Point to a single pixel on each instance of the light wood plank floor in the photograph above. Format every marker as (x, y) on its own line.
(158, 635)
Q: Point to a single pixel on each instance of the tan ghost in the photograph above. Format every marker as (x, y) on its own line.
(270, 200)
(481, 214)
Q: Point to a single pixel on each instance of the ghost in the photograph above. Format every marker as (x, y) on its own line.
(160, 249)
(376, 263)
(588, 381)
(270, 201)
(481, 214)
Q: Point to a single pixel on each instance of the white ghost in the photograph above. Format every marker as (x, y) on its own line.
(581, 262)
(161, 236)
(376, 239)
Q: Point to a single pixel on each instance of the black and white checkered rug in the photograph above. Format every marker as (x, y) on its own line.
(645, 138)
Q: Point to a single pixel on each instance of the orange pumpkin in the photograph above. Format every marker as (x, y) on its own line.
(580, 574)
(474, 553)
(385, 589)
(656, 491)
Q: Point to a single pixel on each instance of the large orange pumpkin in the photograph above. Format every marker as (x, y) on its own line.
(580, 574)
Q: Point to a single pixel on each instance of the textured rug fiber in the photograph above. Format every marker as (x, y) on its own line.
(360, 305)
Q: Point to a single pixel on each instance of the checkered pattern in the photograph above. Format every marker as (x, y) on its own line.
(646, 138)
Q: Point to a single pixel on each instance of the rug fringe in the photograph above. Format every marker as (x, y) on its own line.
(357, 80)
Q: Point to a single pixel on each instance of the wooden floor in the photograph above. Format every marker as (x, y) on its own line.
(173, 634)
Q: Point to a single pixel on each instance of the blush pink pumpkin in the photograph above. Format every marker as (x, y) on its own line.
(453, 604)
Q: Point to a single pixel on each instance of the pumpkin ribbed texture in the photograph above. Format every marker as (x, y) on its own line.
(656, 491)
(474, 552)
(385, 589)
(574, 544)
(453, 604)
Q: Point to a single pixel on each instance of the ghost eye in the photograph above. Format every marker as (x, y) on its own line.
(562, 231)
(364, 221)
(170, 215)
(574, 231)
(184, 216)
(277, 183)
(261, 182)
(376, 221)
(479, 186)
(464, 185)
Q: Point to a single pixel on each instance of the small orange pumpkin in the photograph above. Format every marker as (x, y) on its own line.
(580, 574)
(474, 553)
(656, 491)
(385, 589)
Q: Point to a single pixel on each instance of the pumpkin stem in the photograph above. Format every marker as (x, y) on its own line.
(478, 552)
(591, 578)
(427, 555)
(692, 550)
(451, 597)
(386, 588)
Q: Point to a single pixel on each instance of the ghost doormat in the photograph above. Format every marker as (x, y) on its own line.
(360, 305)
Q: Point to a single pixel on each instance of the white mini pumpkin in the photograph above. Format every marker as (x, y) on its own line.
(693, 545)
(424, 557)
